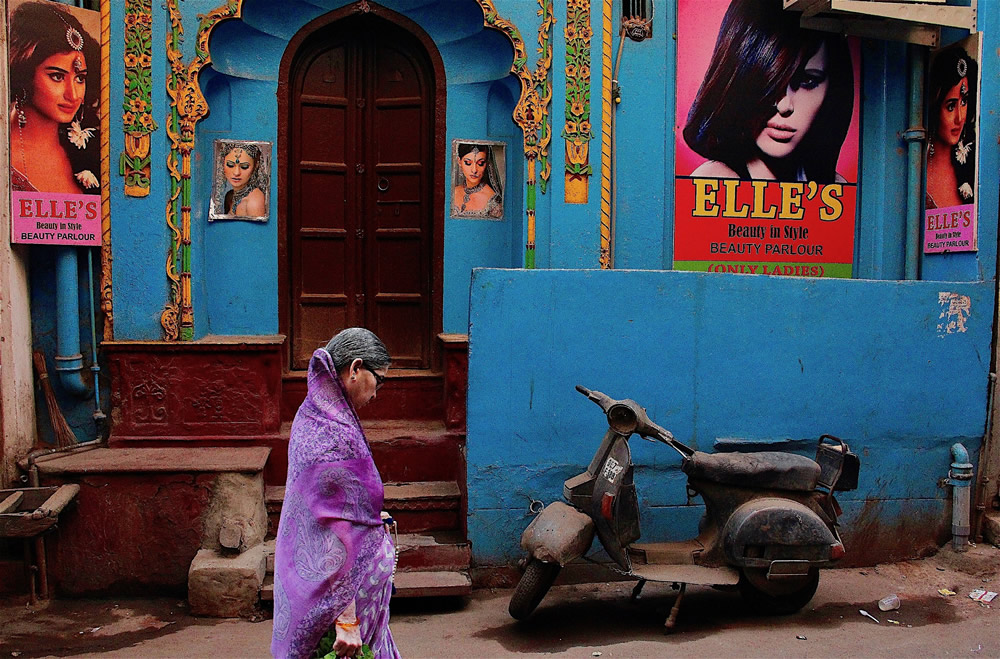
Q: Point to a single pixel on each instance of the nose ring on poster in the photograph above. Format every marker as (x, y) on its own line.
(383, 184)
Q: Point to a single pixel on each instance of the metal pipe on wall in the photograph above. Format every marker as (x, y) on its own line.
(69, 359)
(915, 135)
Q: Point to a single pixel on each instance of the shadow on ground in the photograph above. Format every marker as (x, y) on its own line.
(595, 618)
(64, 627)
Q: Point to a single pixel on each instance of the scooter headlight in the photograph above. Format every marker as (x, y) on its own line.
(622, 419)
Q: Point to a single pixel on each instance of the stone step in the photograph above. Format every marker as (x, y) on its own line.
(410, 451)
(267, 589)
(269, 555)
(432, 584)
(425, 505)
(441, 550)
(416, 506)
(408, 584)
(407, 394)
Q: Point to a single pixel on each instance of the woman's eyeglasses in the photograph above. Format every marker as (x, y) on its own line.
(379, 379)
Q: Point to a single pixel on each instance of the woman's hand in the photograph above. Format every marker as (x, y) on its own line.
(348, 641)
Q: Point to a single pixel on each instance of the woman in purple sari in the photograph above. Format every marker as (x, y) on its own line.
(334, 558)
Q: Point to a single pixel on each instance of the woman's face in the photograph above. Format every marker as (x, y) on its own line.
(59, 86)
(797, 109)
(954, 108)
(473, 166)
(238, 167)
(361, 382)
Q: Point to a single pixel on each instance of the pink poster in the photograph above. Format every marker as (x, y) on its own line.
(55, 150)
(952, 136)
(767, 142)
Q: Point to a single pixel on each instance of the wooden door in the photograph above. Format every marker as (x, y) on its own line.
(361, 164)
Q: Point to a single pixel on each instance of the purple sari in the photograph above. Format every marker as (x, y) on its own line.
(332, 546)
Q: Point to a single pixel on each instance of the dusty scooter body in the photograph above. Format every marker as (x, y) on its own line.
(770, 519)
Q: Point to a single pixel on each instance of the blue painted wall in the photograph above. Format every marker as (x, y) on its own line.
(711, 356)
(235, 264)
(763, 359)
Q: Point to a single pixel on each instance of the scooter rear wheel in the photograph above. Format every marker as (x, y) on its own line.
(777, 597)
(534, 583)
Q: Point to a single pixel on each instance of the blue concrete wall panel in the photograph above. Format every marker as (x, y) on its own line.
(716, 356)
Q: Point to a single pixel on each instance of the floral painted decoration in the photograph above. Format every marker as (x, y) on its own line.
(137, 107)
(577, 131)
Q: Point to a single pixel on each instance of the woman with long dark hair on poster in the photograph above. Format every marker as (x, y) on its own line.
(54, 74)
(951, 160)
(776, 101)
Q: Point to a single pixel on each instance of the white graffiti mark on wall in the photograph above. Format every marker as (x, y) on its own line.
(955, 311)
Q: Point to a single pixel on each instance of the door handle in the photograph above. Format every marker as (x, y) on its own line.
(383, 184)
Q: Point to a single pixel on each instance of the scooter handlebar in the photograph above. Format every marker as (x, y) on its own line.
(627, 417)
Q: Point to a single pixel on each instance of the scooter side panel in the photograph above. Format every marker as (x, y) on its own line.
(614, 505)
(772, 528)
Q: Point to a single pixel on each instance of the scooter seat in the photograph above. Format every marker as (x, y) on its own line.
(768, 469)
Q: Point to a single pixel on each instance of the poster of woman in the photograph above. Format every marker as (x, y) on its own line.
(761, 99)
(242, 181)
(478, 178)
(952, 136)
(54, 114)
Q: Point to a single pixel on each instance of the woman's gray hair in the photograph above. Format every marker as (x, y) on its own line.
(358, 343)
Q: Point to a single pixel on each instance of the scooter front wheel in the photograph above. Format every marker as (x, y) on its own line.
(534, 583)
(778, 597)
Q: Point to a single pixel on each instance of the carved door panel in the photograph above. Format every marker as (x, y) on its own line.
(360, 199)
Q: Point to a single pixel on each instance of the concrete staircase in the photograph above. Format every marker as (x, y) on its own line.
(423, 467)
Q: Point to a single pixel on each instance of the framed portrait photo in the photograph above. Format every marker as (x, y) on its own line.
(241, 181)
(478, 177)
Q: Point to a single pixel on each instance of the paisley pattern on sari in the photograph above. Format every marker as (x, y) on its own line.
(332, 546)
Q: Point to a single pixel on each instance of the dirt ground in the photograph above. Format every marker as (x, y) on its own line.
(589, 620)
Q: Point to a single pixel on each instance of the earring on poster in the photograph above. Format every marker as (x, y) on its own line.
(20, 101)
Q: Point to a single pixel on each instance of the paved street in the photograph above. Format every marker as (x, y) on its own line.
(579, 621)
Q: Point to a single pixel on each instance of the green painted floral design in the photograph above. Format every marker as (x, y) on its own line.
(578, 131)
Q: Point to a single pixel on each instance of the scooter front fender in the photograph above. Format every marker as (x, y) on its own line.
(559, 534)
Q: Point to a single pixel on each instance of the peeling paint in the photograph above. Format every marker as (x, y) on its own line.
(955, 310)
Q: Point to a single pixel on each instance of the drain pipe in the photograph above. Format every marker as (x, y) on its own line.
(69, 359)
(915, 136)
(960, 479)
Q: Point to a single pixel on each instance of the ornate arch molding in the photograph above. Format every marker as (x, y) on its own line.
(187, 107)
(531, 113)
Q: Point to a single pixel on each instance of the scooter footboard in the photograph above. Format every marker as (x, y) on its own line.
(763, 531)
(559, 534)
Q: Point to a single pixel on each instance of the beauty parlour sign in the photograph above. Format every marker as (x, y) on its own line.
(41, 218)
(767, 142)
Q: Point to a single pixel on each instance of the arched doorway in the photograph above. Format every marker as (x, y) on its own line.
(361, 99)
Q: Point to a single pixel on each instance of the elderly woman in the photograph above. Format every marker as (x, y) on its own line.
(334, 559)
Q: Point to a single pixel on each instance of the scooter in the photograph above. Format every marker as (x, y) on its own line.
(770, 520)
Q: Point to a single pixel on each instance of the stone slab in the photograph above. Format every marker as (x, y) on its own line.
(243, 459)
(991, 527)
(424, 584)
(226, 586)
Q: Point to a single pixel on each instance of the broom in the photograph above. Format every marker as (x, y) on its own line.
(64, 435)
